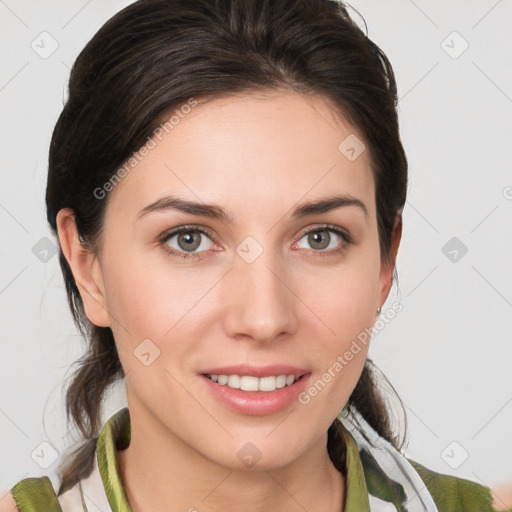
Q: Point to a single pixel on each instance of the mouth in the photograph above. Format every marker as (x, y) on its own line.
(255, 396)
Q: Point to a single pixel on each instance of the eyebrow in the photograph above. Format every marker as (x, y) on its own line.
(213, 211)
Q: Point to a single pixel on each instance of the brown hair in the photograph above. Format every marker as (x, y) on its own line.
(153, 56)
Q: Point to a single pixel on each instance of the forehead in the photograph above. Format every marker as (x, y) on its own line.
(248, 150)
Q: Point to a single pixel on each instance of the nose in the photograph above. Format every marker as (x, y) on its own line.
(261, 304)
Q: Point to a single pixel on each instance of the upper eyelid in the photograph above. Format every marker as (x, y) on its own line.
(176, 231)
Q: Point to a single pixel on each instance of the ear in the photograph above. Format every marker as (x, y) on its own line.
(386, 271)
(85, 267)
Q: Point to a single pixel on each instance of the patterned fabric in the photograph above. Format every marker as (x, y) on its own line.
(379, 478)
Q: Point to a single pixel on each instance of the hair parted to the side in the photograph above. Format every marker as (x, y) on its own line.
(152, 57)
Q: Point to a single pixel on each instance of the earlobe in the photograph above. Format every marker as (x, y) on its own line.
(85, 268)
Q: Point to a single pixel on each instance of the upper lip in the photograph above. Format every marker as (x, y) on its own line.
(256, 371)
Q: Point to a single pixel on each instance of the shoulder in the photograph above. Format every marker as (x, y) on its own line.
(454, 494)
(7, 503)
(32, 494)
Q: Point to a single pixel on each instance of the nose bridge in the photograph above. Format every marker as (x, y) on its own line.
(261, 305)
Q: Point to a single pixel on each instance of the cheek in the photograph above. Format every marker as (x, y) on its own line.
(146, 298)
(343, 298)
(343, 306)
(148, 307)
(348, 315)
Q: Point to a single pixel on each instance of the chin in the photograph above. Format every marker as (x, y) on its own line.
(259, 454)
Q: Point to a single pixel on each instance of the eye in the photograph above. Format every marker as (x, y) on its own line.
(187, 242)
(320, 239)
(184, 241)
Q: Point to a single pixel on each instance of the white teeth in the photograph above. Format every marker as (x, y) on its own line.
(281, 381)
(234, 381)
(250, 383)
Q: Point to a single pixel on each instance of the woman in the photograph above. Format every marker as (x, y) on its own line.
(226, 182)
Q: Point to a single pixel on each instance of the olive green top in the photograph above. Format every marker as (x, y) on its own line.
(379, 478)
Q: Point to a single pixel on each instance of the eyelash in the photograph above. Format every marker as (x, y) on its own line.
(347, 240)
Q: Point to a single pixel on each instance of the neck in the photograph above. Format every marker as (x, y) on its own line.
(158, 469)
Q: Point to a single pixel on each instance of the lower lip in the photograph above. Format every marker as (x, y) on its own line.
(257, 403)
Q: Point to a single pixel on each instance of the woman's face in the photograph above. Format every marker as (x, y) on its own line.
(253, 288)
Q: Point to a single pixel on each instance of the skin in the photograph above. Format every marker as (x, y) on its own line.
(257, 156)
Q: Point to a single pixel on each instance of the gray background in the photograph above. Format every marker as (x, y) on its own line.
(448, 353)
